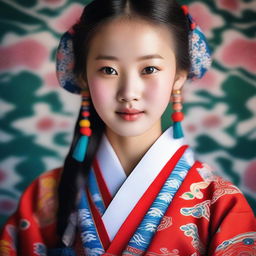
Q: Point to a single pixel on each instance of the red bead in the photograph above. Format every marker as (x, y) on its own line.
(193, 26)
(86, 114)
(86, 131)
(185, 9)
(177, 116)
(85, 94)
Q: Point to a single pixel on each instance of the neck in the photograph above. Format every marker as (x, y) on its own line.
(130, 150)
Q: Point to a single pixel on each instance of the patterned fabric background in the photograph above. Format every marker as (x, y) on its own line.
(37, 117)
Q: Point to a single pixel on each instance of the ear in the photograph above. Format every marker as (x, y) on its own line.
(180, 79)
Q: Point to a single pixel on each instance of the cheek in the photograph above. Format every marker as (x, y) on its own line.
(159, 90)
(99, 91)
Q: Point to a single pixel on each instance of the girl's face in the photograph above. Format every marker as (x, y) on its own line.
(131, 72)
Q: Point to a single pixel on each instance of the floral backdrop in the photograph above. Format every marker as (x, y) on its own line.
(37, 117)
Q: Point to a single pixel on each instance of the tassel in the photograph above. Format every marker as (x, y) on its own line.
(80, 149)
(177, 130)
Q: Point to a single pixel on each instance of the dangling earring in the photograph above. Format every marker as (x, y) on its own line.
(85, 130)
(177, 116)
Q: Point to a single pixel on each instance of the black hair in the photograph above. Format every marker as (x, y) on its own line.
(96, 14)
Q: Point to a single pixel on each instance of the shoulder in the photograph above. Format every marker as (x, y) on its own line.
(40, 198)
(226, 201)
(47, 180)
(221, 195)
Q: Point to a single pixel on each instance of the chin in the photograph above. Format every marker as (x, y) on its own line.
(132, 130)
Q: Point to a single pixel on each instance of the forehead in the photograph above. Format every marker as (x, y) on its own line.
(132, 36)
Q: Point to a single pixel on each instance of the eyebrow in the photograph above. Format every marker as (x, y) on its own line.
(146, 57)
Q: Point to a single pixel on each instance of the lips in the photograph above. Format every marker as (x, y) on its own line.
(130, 114)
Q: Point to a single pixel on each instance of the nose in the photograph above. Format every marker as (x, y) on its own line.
(129, 90)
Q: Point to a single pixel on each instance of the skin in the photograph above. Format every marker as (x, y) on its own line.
(127, 82)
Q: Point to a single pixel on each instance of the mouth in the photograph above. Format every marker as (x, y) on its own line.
(130, 114)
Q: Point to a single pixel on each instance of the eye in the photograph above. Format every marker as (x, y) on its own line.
(108, 71)
(150, 70)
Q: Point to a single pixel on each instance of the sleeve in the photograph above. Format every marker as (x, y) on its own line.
(233, 224)
(32, 228)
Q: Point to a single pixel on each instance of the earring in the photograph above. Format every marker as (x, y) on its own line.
(85, 130)
(177, 116)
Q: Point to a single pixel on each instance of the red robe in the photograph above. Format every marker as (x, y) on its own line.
(207, 216)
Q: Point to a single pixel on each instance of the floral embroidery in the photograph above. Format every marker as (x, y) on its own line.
(24, 224)
(195, 191)
(200, 54)
(164, 252)
(206, 172)
(5, 247)
(242, 244)
(47, 201)
(131, 251)
(201, 210)
(222, 188)
(65, 63)
(165, 223)
(12, 231)
(191, 230)
(40, 249)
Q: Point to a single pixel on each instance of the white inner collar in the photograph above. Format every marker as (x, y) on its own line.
(127, 191)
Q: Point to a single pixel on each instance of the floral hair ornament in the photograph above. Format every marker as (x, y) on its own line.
(65, 63)
(200, 57)
(199, 50)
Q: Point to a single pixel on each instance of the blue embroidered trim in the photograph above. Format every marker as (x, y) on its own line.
(147, 228)
(95, 192)
(89, 235)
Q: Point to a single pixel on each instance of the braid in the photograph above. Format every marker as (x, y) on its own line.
(72, 170)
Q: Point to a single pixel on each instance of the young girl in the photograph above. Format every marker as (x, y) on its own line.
(126, 188)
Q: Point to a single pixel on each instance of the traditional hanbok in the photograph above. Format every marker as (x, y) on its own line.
(170, 204)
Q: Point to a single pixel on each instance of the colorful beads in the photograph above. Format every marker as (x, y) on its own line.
(177, 116)
(86, 131)
(177, 106)
(85, 103)
(185, 9)
(84, 123)
(85, 93)
(85, 114)
(193, 26)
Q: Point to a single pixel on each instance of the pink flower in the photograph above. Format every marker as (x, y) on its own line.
(203, 16)
(7, 205)
(68, 18)
(237, 51)
(229, 5)
(210, 122)
(28, 53)
(235, 7)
